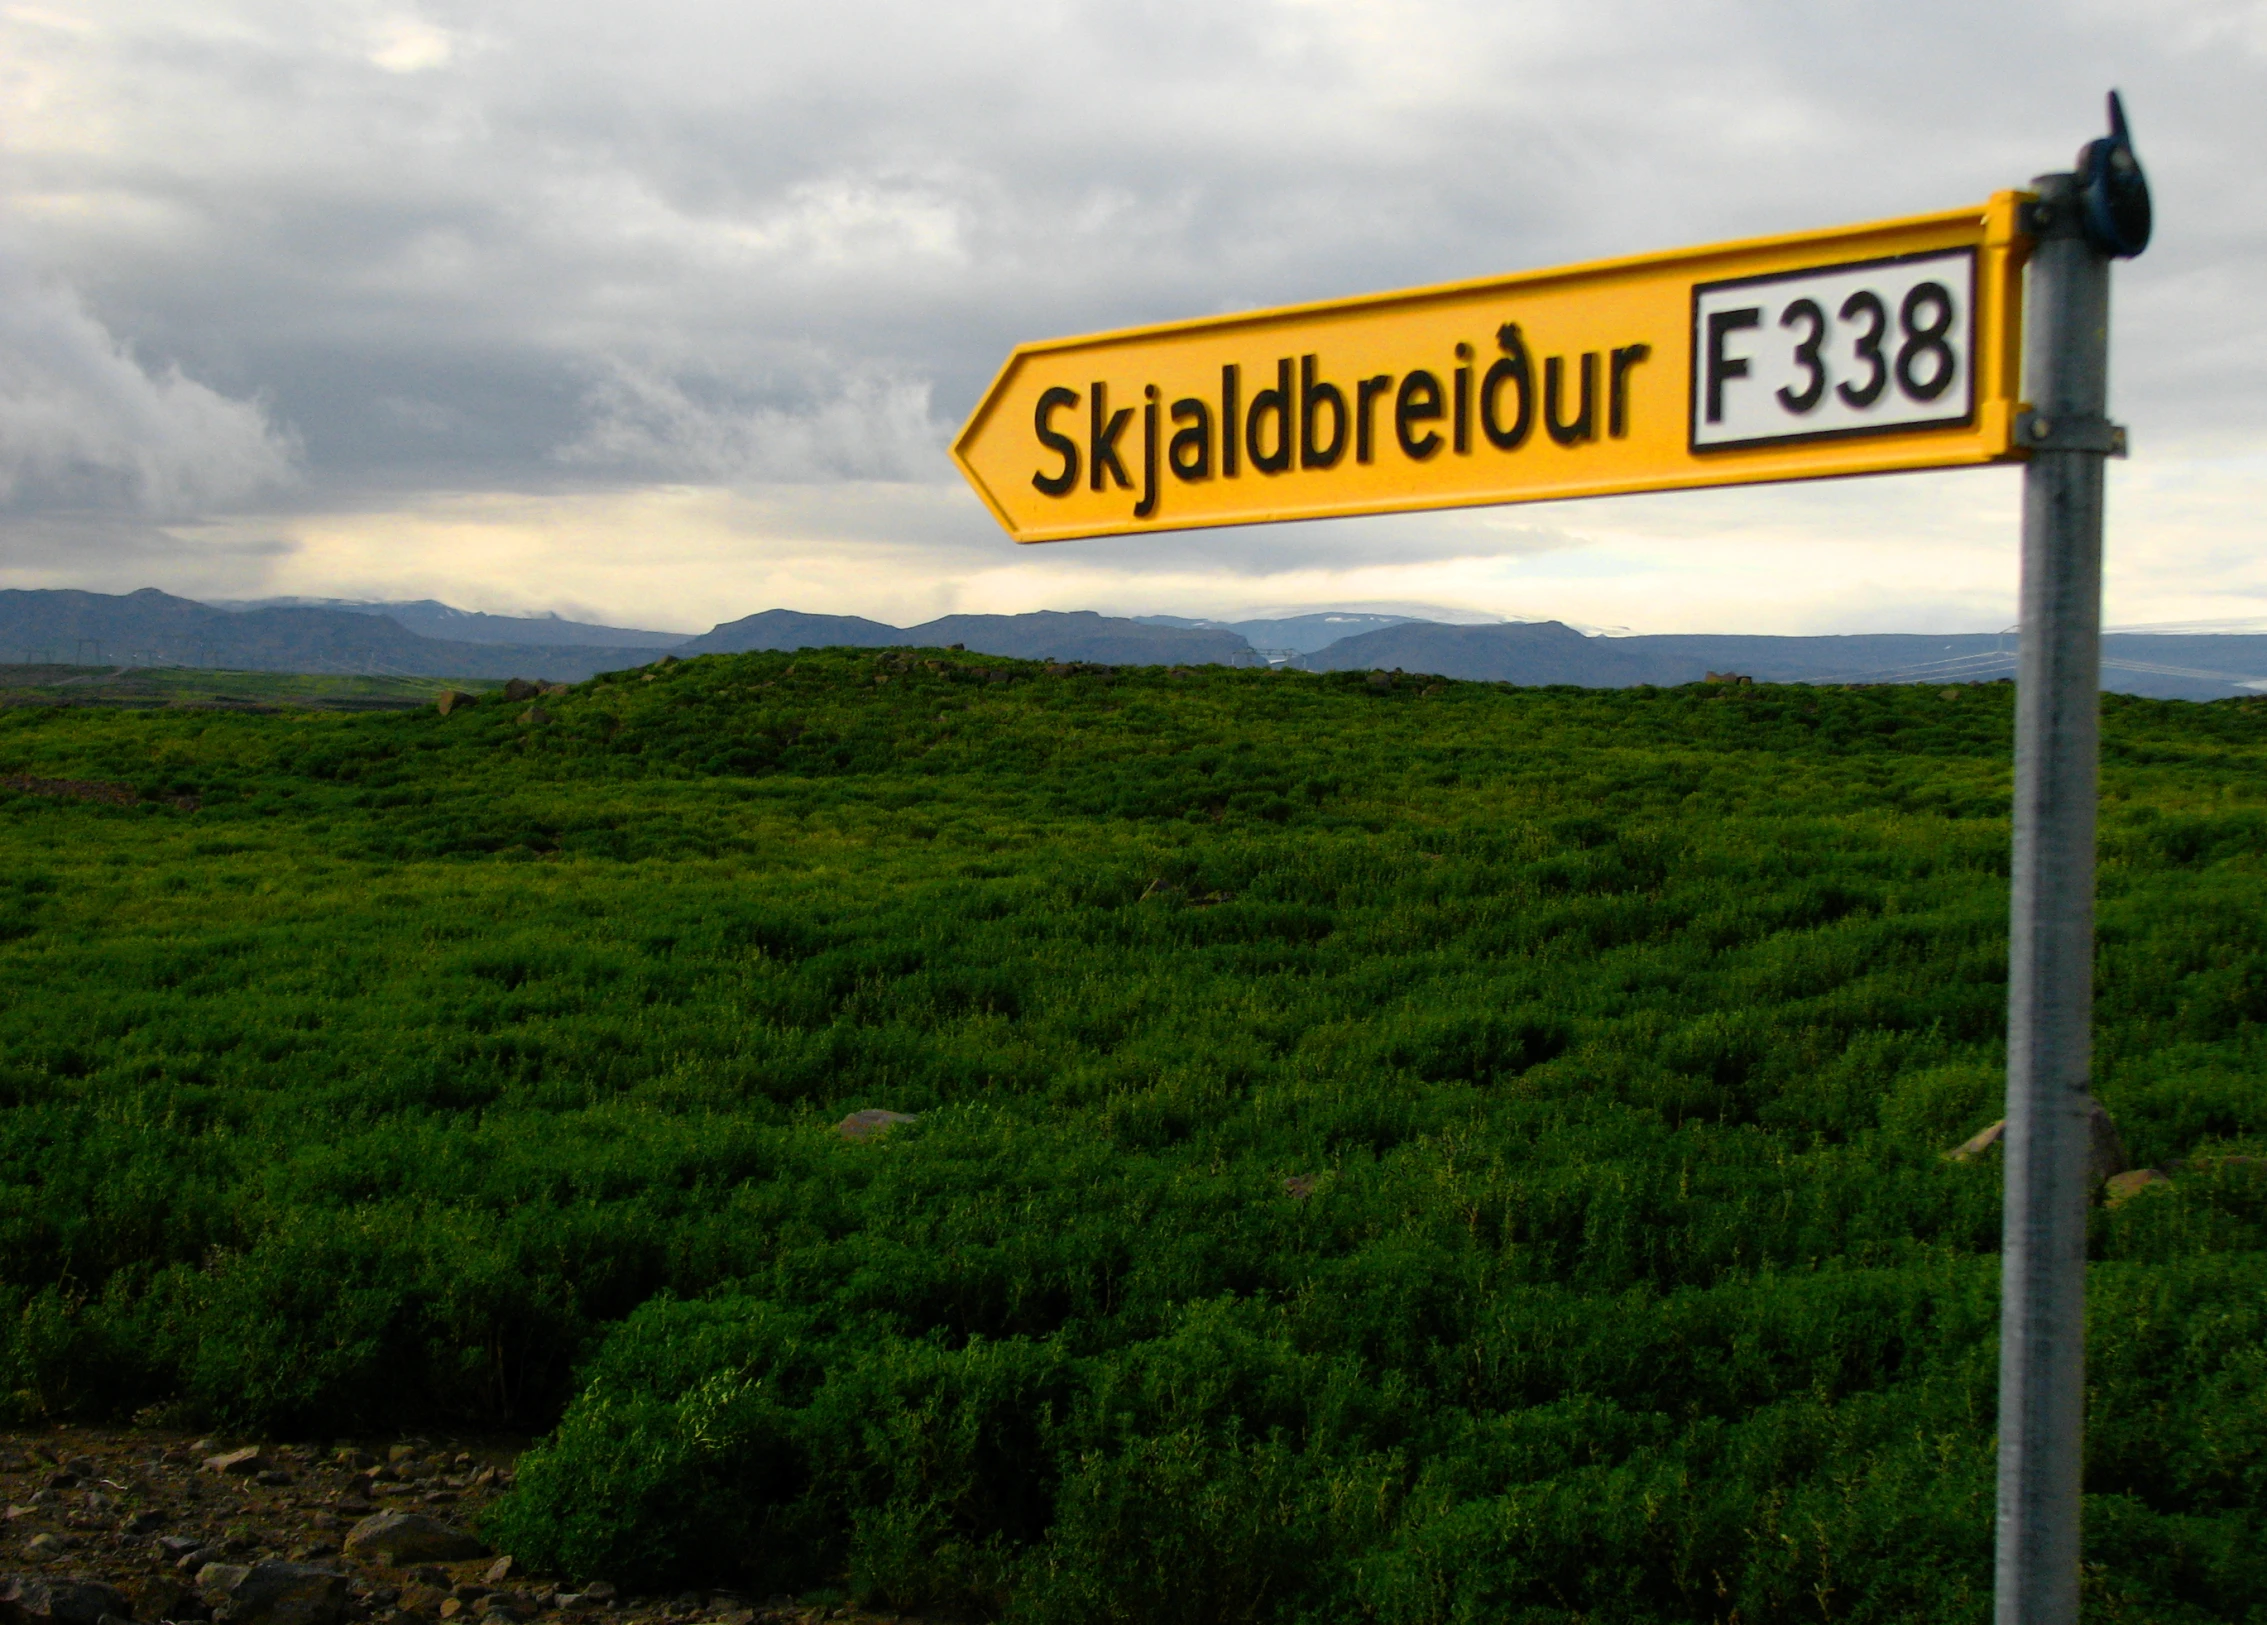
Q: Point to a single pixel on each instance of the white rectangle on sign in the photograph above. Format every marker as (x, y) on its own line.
(1871, 348)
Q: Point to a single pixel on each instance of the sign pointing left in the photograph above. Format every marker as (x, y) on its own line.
(1865, 349)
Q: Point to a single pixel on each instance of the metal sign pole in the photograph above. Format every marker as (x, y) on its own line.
(2078, 228)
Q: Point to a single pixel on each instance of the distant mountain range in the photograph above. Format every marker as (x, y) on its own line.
(430, 618)
(1290, 634)
(1042, 635)
(2162, 665)
(427, 638)
(152, 628)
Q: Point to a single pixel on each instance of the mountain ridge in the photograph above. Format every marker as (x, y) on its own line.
(2186, 666)
(151, 627)
(1045, 634)
(429, 617)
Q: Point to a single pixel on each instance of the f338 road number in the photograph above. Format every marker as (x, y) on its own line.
(1881, 347)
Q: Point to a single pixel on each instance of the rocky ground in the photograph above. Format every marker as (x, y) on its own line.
(149, 1526)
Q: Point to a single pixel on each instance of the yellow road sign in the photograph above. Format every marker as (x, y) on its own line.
(1863, 350)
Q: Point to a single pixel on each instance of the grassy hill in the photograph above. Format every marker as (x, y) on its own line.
(1421, 1153)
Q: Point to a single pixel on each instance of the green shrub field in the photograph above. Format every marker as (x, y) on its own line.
(1413, 1153)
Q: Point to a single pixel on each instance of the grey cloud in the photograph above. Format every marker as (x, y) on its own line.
(960, 535)
(510, 246)
(118, 553)
(84, 425)
(644, 423)
(1248, 551)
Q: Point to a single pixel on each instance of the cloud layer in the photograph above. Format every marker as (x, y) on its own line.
(85, 426)
(521, 257)
(644, 422)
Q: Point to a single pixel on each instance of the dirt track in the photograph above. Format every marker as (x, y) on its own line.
(142, 1511)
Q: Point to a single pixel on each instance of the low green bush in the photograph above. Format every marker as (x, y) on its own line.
(1406, 1155)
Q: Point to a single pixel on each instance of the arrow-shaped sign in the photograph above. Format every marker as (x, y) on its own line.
(1863, 350)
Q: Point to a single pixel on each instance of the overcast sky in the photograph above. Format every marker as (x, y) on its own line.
(663, 313)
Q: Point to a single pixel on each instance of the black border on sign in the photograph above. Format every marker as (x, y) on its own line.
(1692, 334)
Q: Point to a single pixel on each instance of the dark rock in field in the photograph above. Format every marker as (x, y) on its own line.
(217, 1580)
(179, 1545)
(2106, 1156)
(430, 1574)
(2120, 1188)
(1970, 1149)
(2105, 1148)
(534, 717)
(454, 700)
(242, 1463)
(2239, 1166)
(28, 1600)
(399, 1539)
(867, 1124)
(148, 1521)
(283, 1594)
(275, 1478)
(162, 1596)
(519, 688)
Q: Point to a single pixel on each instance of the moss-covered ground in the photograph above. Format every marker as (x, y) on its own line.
(1423, 1153)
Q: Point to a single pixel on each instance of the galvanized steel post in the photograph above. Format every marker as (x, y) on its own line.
(2077, 229)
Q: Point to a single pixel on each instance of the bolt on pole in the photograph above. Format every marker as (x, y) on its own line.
(2079, 223)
